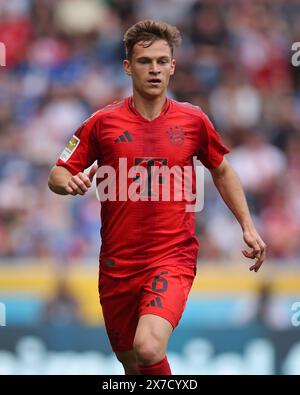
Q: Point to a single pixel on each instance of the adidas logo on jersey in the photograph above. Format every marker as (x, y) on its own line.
(155, 302)
(124, 138)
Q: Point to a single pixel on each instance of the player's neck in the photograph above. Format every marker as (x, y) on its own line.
(149, 108)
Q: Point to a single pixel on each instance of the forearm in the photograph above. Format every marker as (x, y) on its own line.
(229, 186)
(231, 190)
(58, 180)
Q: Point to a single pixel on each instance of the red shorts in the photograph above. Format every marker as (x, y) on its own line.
(161, 291)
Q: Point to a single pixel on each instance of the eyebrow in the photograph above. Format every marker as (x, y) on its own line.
(147, 57)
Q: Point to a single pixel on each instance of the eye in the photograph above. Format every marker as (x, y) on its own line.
(164, 61)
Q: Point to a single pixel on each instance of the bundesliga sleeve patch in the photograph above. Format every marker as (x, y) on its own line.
(70, 148)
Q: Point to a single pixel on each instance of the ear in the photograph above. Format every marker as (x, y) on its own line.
(173, 65)
(127, 67)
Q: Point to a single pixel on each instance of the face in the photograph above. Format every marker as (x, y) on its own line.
(150, 68)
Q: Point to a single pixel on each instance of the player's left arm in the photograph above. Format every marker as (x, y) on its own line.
(229, 186)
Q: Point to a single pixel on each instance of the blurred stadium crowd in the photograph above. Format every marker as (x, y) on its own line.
(64, 62)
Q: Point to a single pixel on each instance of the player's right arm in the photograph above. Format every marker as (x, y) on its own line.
(67, 177)
(62, 182)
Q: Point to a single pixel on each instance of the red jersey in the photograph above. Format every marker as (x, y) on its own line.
(136, 234)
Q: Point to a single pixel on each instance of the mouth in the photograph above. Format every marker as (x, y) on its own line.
(154, 81)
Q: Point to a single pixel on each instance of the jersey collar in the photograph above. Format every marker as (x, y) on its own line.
(132, 109)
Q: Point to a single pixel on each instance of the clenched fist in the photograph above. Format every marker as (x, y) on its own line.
(81, 182)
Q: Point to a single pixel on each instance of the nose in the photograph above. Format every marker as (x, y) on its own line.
(154, 69)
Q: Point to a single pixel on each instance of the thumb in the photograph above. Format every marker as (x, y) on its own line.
(93, 171)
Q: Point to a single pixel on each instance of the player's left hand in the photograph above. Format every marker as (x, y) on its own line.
(254, 241)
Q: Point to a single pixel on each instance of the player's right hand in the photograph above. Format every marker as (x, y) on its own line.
(81, 182)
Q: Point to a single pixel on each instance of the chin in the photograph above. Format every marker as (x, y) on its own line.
(154, 92)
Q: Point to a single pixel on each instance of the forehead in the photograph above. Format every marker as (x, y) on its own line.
(155, 50)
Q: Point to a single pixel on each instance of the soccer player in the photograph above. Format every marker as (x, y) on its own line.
(148, 256)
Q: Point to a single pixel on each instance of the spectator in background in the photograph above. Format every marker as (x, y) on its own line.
(61, 67)
(62, 309)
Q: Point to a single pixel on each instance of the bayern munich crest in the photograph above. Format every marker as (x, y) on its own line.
(176, 135)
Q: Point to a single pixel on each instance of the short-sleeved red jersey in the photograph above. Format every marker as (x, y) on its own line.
(136, 234)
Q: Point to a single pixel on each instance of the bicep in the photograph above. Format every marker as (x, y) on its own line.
(221, 169)
(211, 150)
